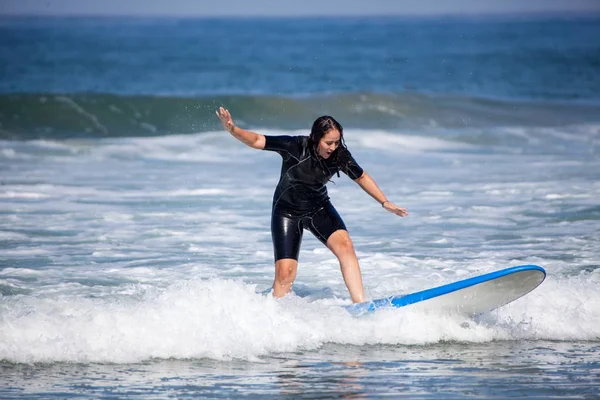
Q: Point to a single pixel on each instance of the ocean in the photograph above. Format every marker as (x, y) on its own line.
(135, 248)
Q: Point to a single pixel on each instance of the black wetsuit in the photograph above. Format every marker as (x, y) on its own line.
(301, 200)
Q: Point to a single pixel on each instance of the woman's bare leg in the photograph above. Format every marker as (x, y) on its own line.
(340, 244)
(285, 273)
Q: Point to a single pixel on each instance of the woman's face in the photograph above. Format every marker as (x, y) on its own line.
(329, 142)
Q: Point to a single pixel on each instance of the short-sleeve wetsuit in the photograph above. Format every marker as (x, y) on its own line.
(301, 200)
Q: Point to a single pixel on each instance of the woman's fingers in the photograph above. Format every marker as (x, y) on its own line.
(224, 115)
(395, 209)
(226, 119)
(400, 211)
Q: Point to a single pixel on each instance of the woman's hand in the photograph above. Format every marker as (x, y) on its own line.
(225, 118)
(391, 207)
(249, 138)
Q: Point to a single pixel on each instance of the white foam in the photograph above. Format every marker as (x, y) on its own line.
(398, 142)
(19, 272)
(205, 147)
(224, 319)
(559, 196)
(23, 195)
(9, 153)
(4, 235)
(197, 192)
(24, 251)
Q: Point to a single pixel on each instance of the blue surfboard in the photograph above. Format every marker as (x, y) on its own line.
(472, 296)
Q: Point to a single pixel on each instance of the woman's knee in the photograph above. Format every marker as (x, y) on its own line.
(340, 243)
(285, 270)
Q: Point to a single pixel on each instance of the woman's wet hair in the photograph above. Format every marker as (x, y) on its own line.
(322, 125)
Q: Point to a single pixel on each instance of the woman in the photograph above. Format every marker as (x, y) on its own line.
(301, 200)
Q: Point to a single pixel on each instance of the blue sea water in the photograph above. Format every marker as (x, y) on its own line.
(134, 232)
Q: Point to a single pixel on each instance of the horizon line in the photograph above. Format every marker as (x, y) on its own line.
(531, 13)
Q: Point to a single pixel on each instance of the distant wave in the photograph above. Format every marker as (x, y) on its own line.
(80, 115)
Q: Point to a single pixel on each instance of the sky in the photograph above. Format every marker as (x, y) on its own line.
(211, 8)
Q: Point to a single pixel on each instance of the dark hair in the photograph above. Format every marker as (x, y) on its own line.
(322, 125)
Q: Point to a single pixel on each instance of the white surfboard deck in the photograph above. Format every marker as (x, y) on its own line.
(470, 297)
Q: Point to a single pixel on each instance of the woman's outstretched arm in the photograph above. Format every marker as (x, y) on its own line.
(254, 140)
(368, 185)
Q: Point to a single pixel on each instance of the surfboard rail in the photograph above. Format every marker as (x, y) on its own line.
(471, 296)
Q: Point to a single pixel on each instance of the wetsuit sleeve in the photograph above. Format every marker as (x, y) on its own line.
(351, 168)
(281, 143)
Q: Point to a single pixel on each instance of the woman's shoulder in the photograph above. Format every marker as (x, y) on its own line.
(289, 143)
(300, 140)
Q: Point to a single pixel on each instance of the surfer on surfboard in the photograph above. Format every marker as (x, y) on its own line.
(301, 201)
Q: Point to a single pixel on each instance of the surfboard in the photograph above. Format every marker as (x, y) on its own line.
(472, 296)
